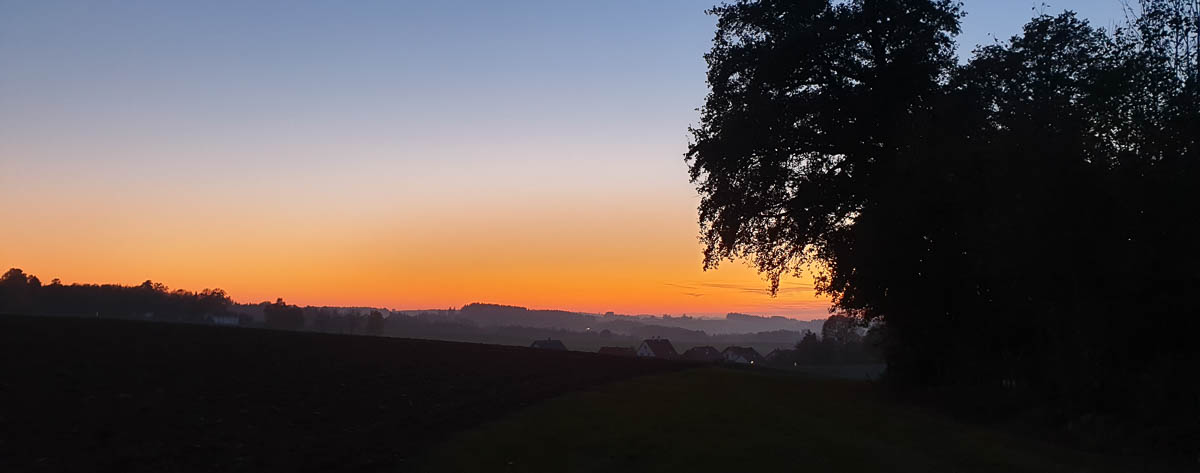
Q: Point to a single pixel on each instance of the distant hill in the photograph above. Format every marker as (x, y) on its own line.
(516, 325)
(584, 330)
(494, 314)
(735, 323)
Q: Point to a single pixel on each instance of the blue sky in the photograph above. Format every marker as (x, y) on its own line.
(371, 69)
(548, 68)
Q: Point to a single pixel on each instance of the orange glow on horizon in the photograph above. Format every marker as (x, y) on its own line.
(571, 254)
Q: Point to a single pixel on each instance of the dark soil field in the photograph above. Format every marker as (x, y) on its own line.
(108, 395)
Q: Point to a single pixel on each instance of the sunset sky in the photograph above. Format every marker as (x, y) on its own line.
(377, 153)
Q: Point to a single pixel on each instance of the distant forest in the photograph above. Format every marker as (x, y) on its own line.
(21, 293)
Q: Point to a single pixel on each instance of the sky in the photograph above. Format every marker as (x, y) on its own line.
(395, 154)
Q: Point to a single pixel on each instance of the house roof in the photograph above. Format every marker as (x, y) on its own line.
(748, 353)
(620, 351)
(661, 348)
(549, 344)
(705, 353)
(777, 353)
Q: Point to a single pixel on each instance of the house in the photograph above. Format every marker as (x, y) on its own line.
(657, 348)
(705, 353)
(549, 344)
(742, 356)
(618, 351)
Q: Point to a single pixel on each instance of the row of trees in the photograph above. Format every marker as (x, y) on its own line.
(22, 293)
(327, 319)
(1023, 222)
(842, 341)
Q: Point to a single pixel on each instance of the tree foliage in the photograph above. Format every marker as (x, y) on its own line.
(842, 329)
(375, 322)
(22, 293)
(1025, 219)
(280, 315)
(840, 343)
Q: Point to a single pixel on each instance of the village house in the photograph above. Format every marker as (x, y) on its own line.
(549, 344)
(704, 353)
(742, 356)
(618, 351)
(657, 348)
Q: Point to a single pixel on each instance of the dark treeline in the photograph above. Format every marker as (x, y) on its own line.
(22, 293)
(1020, 225)
(842, 341)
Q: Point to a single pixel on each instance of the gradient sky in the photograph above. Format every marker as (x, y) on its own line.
(385, 153)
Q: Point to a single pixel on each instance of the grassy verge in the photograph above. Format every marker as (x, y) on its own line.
(713, 419)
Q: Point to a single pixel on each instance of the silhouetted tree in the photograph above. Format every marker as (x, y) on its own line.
(1025, 219)
(279, 315)
(324, 320)
(841, 328)
(17, 291)
(374, 323)
(809, 350)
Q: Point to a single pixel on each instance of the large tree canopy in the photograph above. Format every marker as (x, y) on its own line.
(1025, 220)
(810, 103)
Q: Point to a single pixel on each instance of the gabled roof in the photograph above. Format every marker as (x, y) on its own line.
(549, 344)
(776, 353)
(748, 353)
(661, 348)
(705, 353)
(618, 351)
